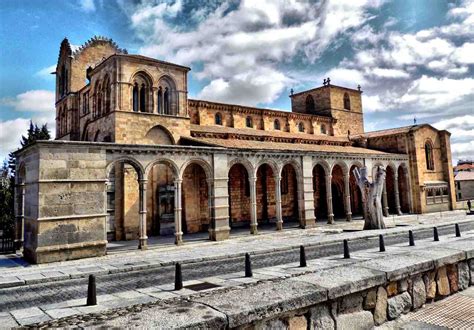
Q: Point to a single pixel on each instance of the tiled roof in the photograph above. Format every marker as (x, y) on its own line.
(266, 145)
(464, 167)
(393, 131)
(464, 176)
(200, 131)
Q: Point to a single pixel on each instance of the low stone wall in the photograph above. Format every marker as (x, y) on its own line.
(335, 293)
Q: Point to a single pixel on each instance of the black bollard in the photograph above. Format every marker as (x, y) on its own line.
(178, 277)
(411, 238)
(302, 257)
(91, 292)
(248, 266)
(381, 243)
(346, 250)
(435, 234)
(458, 231)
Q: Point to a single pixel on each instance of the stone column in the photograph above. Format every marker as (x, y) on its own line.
(384, 200)
(279, 216)
(329, 198)
(253, 205)
(347, 194)
(177, 212)
(397, 195)
(308, 219)
(143, 238)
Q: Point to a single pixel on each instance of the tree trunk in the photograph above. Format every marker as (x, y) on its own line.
(371, 197)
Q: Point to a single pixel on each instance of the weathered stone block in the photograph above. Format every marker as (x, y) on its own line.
(370, 299)
(452, 272)
(418, 292)
(351, 303)
(471, 270)
(399, 304)
(430, 284)
(320, 318)
(442, 282)
(380, 312)
(463, 275)
(297, 323)
(359, 320)
(392, 289)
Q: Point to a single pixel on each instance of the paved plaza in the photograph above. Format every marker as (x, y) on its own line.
(37, 293)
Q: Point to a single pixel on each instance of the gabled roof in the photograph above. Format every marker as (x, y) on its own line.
(394, 131)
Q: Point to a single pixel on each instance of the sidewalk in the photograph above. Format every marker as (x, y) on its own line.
(16, 272)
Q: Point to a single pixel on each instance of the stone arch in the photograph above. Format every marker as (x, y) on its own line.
(160, 135)
(85, 131)
(338, 171)
(403, 188)
(168, 103)
(141, 85)
(163, 160)
(244, 162)
(390, 185)
(270, 162)
(239, 193)
(129, 160)
(320, 170)
(291, 192)
(342, 165)
(265, 190)
(201, 162)
(357, 207)
(195, 202)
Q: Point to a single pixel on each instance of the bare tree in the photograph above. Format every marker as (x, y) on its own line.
(371, 196)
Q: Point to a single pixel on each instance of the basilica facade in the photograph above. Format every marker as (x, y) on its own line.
(134, 157)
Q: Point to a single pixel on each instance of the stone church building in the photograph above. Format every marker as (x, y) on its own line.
(134, 158)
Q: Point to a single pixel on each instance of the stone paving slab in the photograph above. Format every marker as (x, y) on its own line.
(340, 281)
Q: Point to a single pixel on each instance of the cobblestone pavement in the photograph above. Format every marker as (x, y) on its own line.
(126, 275)
(126, 294)
(454, 312)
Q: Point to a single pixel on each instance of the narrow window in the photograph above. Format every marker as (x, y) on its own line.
(143, 98)
(309, 104)
(135, 98)
(107, 98)
(218, 119)
(429, 156)
(301, 127)
(166, 101)
(160, 100)
(248, 122)
(276, 125)
(347, 102)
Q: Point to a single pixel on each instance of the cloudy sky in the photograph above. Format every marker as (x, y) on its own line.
(412, 58)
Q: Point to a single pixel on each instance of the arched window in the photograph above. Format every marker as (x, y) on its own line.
(347, 102)
(301, 127)
(248, 122)
(142, 99)
(309, 104)
(143, 93)
(429, 156)
(160, 100)
(218, 119)
(276, 125)
(99, 104)
(135, 97)
(169, 102)
(323, 129)
(166, 101)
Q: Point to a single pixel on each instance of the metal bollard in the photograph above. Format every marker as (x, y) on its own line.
(411, 238)
(178, 277)
(248, 266)
(458, 231)
(381, 243)
(346, 250)
(91, 292)
(302, 257)
(435, 234)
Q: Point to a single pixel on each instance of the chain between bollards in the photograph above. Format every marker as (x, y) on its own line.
(302, 257)
(411, 238)
(346, 250)
(178, 277)
(435, 234)
(381, 243)
(91, 292)
(458, 231)
(248, 266)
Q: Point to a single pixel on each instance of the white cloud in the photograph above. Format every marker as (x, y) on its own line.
(87, 5)
(389, 73)
(33, 100)
(12, 130)
(45, 73)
